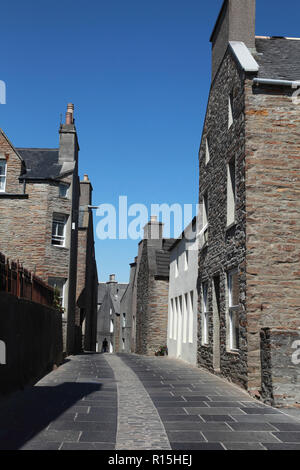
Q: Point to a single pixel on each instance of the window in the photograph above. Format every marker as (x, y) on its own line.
(230, 110)
(171, 318)
(185, 317)
(175, 318)
(124, 320)
(233, 310)
(176, 265)
(186, 260)
(205, 313)
(58, 229)
(111, 329)
(58, 284)
(231, 192)
(205, 218)
(207, 152)
(63, 190)
(2, 175)
(123, 344)
(191, 316)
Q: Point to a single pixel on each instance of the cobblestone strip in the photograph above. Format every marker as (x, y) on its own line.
(139, 424)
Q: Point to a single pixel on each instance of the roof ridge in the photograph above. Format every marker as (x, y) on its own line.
(37, 148)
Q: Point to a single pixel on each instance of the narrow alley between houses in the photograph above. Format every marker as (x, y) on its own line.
(108, 402)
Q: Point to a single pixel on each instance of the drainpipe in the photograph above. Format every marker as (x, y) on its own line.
(268, 81)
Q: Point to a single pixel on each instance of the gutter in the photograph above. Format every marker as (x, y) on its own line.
(268, 81)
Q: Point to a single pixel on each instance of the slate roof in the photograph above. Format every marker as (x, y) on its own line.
(278, 58)
(41, 163)
(163, 258)
(101, 292)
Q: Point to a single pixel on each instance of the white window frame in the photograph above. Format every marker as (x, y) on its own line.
(205, 218)
(61, 239)
(2, 159)
(230, 110)
(186, 259)
(231, 191)
(207, 150)
(232, 314)
(111, 325)
(171, 318)
(191, 316)
(185, 317)
(205, 312)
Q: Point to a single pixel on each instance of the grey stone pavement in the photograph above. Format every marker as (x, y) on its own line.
(108, 402)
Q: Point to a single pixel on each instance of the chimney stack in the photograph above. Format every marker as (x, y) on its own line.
(153, 230)
(236, 22)
(70, 114)
(112, 278)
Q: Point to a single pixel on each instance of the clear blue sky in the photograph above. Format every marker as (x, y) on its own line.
(138, 72)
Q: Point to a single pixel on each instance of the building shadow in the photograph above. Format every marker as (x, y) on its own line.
(27, 413)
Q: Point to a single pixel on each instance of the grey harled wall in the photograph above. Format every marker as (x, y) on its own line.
(33, 336)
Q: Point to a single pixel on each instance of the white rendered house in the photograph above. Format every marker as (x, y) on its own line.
(183, 297)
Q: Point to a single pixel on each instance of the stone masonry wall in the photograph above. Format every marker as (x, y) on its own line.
(157, 319)
(280, 358)
(142, 302)
(226, 246)
(273, 216)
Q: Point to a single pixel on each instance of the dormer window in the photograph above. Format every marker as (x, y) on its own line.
(2, 175)
(63, 190)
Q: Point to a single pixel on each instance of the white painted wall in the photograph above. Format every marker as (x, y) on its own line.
(183, 299)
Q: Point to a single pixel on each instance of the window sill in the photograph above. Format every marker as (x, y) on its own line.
(13, 196)
(230, 226)
(205, 345)
(234, 352)
(60, 247)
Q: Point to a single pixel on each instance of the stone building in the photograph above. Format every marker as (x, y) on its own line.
(87, 276)
(127, 309)
(108, 324)
(249, 279)
(39, 205)
(151, 314)
(183, 296)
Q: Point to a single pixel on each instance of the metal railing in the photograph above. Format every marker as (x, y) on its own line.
(16, 280)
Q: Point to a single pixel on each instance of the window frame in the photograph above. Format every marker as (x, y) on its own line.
(231, 192)
(230, 110)
(66, 187)
(4, 176)
(205, 313)
(233, 338)
(56, 237)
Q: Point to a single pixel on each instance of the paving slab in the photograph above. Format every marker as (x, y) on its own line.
(130, 402)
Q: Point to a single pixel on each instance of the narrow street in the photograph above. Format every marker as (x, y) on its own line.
(108, 402)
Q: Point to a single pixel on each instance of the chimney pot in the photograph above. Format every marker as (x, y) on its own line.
(86, 178)
(112, 277)
(70, 114)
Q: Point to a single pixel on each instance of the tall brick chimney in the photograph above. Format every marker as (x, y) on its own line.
(236, 22)
(68, 143)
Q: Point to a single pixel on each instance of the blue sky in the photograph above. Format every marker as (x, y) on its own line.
(138, 72)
